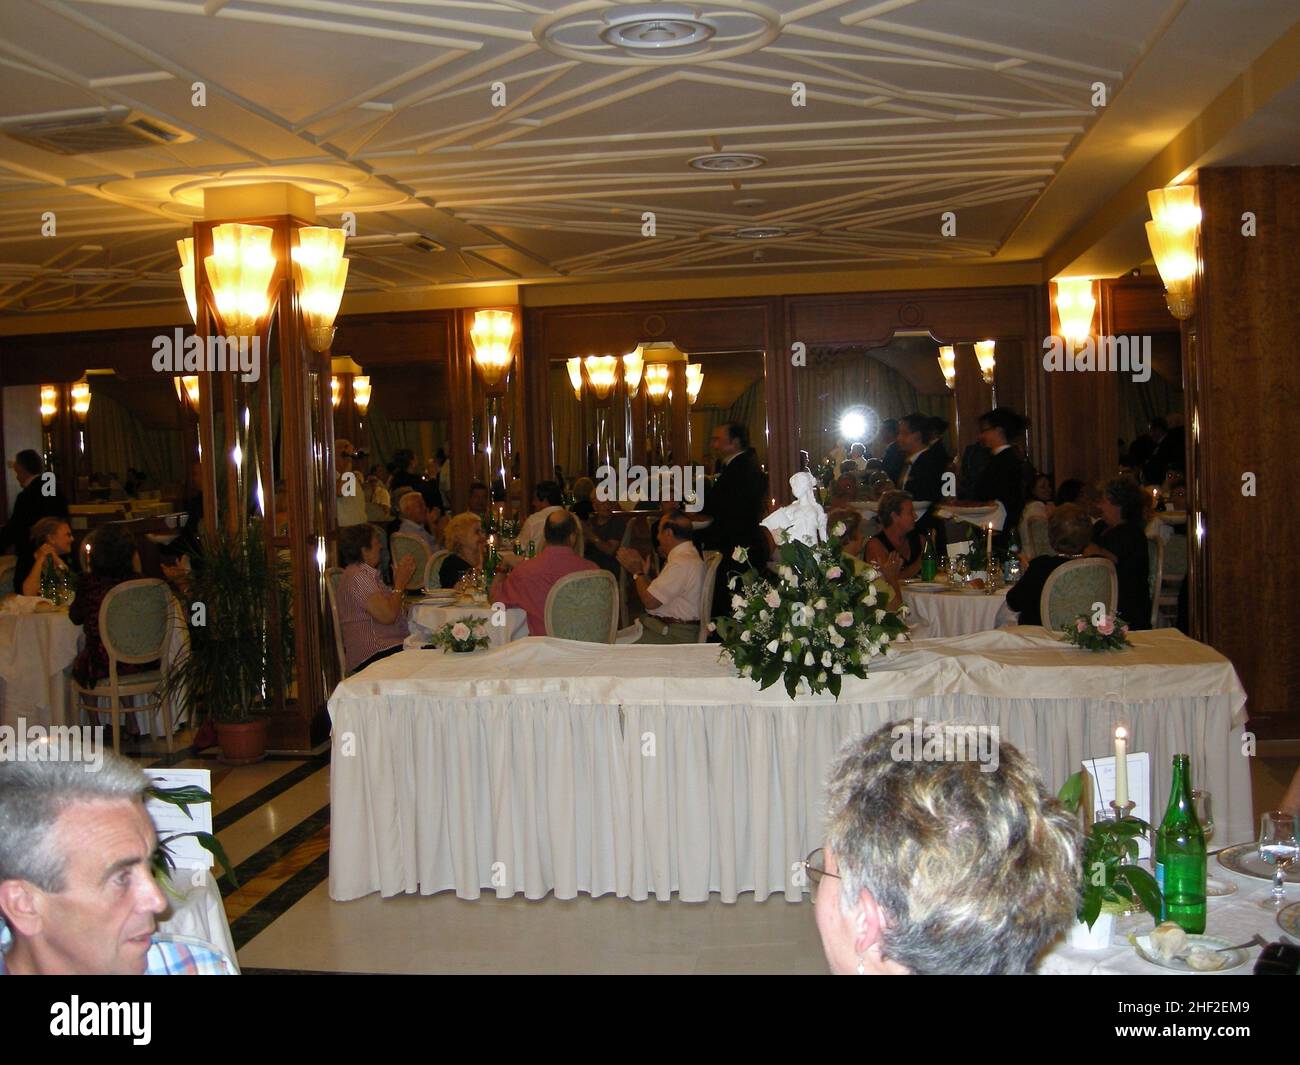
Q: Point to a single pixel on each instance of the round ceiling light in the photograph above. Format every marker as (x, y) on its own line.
(727, 162)
(597, 31)
(655, 29)
(765, 232)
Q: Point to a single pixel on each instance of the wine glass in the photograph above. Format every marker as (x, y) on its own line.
(960, 571)
(1205, 815)
(1278, 835)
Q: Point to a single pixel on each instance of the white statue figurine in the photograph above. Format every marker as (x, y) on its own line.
(803, 520)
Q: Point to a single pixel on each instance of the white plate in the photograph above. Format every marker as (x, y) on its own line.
(1244, 859)
(1232, 959)
(926, 586)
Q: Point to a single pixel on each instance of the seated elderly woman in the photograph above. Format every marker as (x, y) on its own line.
(896, 549)
(1069, 531)
(371, 621)
(51, 544)
(465, 540)
(963, 865)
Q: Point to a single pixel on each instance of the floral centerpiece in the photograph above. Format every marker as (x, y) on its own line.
(1097, 632)
(462, 635)
(814, 620)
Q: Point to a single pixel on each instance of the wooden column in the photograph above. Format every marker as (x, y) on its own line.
(1085, 418)
(1243, 384)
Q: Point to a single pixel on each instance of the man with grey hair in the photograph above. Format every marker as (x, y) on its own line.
(939, 866)
(415, 518)
(77, 890)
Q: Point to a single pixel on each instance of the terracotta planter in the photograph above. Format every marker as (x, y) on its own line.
(242, 743)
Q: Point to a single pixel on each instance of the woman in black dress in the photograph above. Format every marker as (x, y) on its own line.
(1121, 537)
(1069, 531)
(896, 549)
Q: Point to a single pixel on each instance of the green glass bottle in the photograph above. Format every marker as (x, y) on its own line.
(532, 548)
(1180, 855)
(929, 560)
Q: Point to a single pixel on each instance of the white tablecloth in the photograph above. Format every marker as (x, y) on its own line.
(200, 912)
(35, 650)
(1232, 917)
(943, 614)
(544, 766)
(431, 618)
(977, 516)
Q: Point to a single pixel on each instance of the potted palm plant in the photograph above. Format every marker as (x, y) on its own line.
(228, 674)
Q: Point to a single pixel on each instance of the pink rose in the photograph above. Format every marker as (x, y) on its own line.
(460, 631)
(1081, 625)
(833, 573)
(1106, 627)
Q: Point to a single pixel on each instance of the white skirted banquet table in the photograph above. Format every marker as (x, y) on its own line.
(36, 648)
(553, 766)
(430, 617)
(941, 612)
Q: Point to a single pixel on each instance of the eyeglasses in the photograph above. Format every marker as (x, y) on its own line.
(815, 866)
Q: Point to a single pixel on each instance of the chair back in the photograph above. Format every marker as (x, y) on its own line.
(135, 621)
(712, 560)
(403, 544)
(583, 606)
(1072, 589)
(1175, 568)
(1155, 573)
(433, 570)
(332, 577)
(7, 564)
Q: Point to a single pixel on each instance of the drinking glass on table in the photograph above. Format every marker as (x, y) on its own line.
(1205, 815)
(1279, 845)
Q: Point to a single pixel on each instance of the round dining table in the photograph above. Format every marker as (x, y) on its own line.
(956, 612)
(36, 650)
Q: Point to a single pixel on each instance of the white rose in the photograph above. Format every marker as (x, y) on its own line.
(772, 599)
(787, 657)
(787, 636)
(732, 582)
(794, 580)
(821, 677)
(880, 616)
(826, 658)
(820, 604)
(870, 600)
(837, 640)
(838, 670)
(740, 554)
(884, 638)
(737, 602)
(763, 615)
(808, 659)
(840, 529)
(747, 671)
(771, 647)
(744, 636)
(844, 619)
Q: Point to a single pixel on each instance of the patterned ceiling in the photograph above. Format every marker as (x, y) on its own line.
(528, 141)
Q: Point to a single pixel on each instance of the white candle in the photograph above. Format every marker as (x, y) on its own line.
(1121, 766)
(988, 548)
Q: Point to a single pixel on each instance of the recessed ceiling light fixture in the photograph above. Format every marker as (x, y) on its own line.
(727, 162)
(593, 31)
(656, 29)
(764, 233)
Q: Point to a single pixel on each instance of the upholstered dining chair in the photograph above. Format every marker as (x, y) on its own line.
(1172, 575)
(403, 544)
(433, 570)
(1073, 588)
(1034, 540)
(712, 560)
(583, 606)
(136, 623)
(332, 576)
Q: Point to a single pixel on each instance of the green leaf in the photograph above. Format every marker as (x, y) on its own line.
(181, 796)
(1144, 886)
(1091, 906)
(1071, 793)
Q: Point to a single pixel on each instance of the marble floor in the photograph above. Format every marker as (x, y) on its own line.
(273, 821)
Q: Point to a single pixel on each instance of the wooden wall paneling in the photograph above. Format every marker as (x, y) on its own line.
(1084, 418)
(1246, 378)
(464, 413)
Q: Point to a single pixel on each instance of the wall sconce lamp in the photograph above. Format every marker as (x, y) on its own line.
(491, 335)
(1075, 304)
(361, 394)
(574, 366)
(694, 381)
(81, 400)
(602, 375)
(320, 271)
(948, 366)
(633, 367)
(187, 389)
(656, 381)
(984, 355)
(186, 249)
(240, 270)
(49, 404)
(1175, 220)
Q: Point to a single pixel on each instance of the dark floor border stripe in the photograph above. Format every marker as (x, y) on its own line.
(264, 795)
(303, 972)
(260, 861)
(259, 918)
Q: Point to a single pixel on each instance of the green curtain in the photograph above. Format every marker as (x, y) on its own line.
(117, 440)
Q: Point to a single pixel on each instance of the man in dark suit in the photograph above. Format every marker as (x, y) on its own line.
(736, 501)
(1003, 478)
(923, 467)
(39, 498)
(892, 457)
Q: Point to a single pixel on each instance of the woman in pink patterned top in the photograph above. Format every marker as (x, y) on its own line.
(370, 613)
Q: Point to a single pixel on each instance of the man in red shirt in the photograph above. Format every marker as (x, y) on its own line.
(528, 584)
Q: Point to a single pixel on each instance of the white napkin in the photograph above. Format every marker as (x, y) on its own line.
(22, 604)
